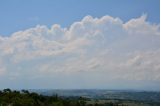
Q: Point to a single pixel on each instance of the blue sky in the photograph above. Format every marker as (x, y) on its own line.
(19, 15)
(74, 44)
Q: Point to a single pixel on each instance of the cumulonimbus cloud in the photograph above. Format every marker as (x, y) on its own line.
(124, 50)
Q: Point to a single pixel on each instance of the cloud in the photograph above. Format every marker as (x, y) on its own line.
(104, 46)
(140, 26)
(2, 69)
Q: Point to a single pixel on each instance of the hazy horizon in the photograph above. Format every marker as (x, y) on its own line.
(73, 44)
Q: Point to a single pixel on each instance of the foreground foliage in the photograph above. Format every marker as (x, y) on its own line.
(26, 98)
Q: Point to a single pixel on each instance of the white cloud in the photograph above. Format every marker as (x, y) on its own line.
(139, 27)
(2, 69)
(106, 45)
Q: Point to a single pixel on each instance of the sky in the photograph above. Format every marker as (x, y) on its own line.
(80, 44)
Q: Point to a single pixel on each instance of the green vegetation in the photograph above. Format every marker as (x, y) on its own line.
(26, 98)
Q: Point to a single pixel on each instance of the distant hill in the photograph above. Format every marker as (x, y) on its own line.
(104, 94)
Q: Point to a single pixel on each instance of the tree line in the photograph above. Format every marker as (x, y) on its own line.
(10, 97)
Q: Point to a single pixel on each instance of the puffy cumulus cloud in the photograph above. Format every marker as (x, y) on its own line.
(141, 27)
(103, 48)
